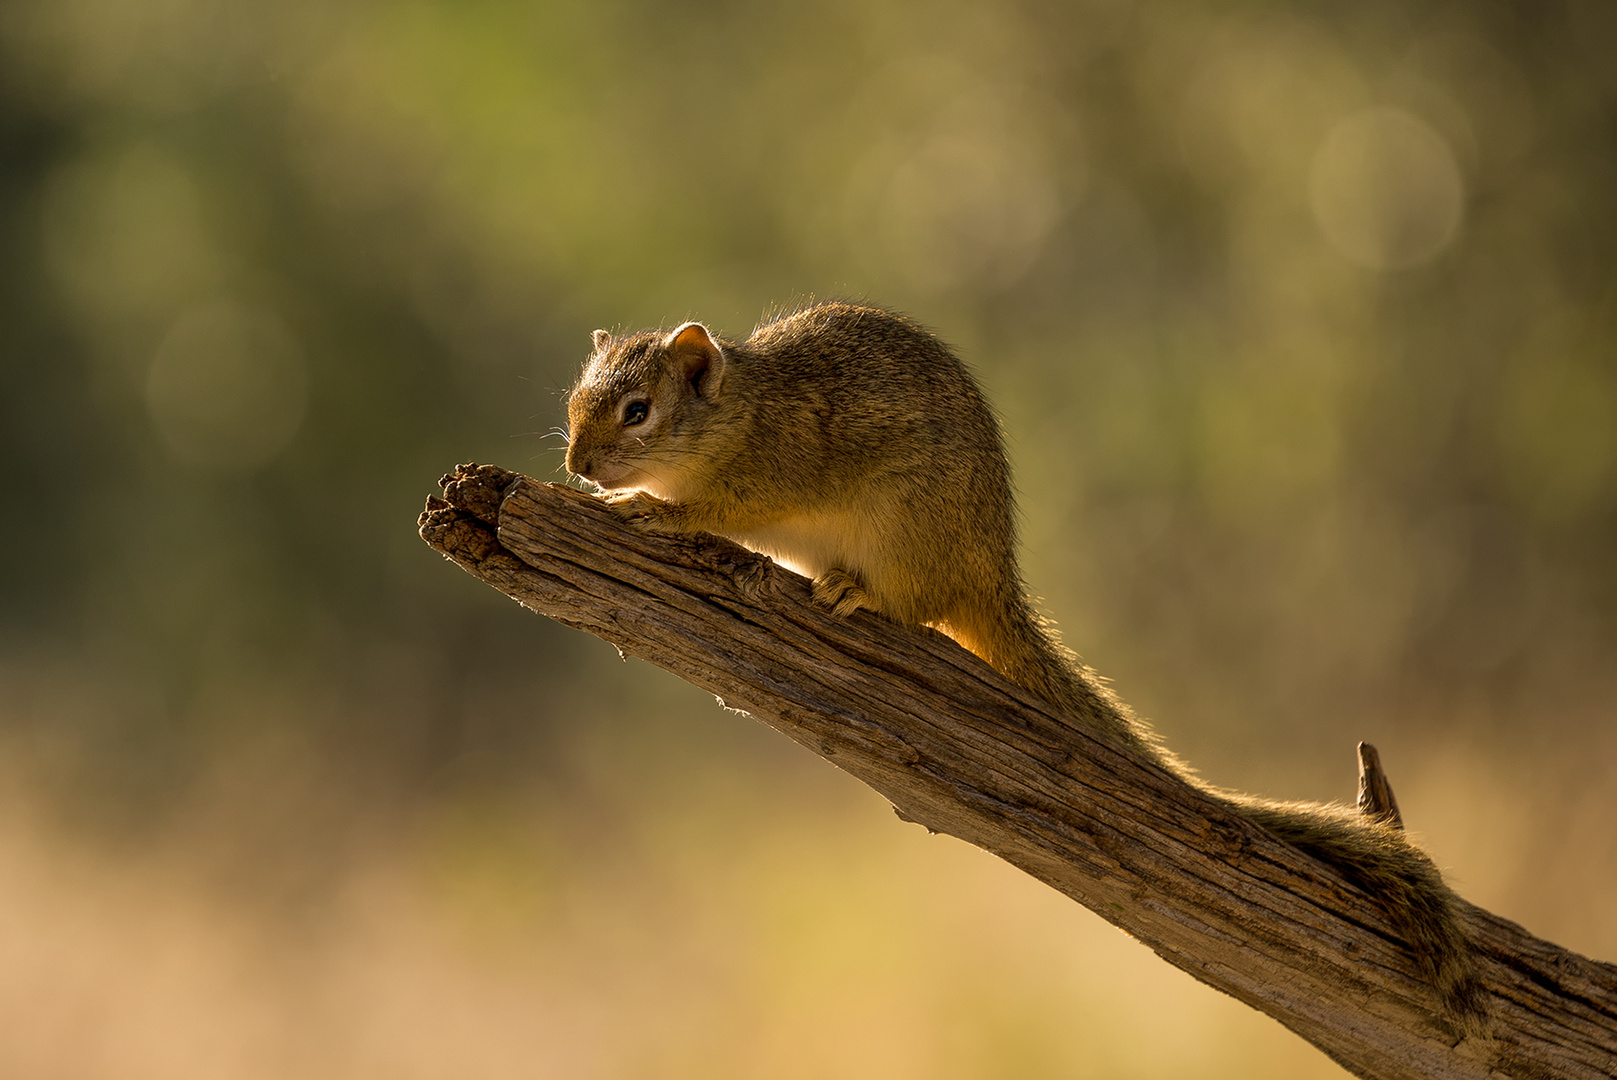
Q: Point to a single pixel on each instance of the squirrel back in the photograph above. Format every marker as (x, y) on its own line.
(852, 445)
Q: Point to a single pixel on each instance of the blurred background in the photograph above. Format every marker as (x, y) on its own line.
(1300, 317)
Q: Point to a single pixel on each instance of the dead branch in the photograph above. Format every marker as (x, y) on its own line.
(960, 750)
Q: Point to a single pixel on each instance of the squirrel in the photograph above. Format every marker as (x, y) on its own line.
(852, 445)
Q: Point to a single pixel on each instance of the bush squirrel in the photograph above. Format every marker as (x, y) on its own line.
(852, 445)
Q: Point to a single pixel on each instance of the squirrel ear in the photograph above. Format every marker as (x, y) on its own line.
(702, 361)
(602, 339)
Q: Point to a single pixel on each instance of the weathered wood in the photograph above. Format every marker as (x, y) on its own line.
(960, 750)
(1375, 790)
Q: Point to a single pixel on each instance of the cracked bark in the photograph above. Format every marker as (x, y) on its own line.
(958, 749)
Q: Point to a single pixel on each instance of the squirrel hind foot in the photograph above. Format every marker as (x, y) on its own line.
(841, 592)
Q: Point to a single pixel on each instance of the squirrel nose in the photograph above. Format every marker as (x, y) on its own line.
(580, 464)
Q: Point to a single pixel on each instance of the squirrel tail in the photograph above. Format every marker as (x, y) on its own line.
(1373, 855)
(1026, 648)
(1379, 859)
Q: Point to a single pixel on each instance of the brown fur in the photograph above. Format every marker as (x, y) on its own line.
(852, 445)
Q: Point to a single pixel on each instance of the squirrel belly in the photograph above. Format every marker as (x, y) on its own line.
(853, 446)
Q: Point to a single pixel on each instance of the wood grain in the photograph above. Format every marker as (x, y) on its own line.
(958, 749)
(1376, 799)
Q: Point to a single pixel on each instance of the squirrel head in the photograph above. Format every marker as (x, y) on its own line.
(638, 412)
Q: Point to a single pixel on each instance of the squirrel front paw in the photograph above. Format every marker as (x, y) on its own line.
(640, 511)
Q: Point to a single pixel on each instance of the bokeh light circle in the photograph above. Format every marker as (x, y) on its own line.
(1386, 190)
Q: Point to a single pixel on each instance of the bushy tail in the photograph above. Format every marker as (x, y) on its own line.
(1379, 859)
(1376, 857)
(1026, 648)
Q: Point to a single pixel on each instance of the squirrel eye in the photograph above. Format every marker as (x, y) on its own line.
(635, 413)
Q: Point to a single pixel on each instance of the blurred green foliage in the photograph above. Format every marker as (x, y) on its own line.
(1302, 319)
